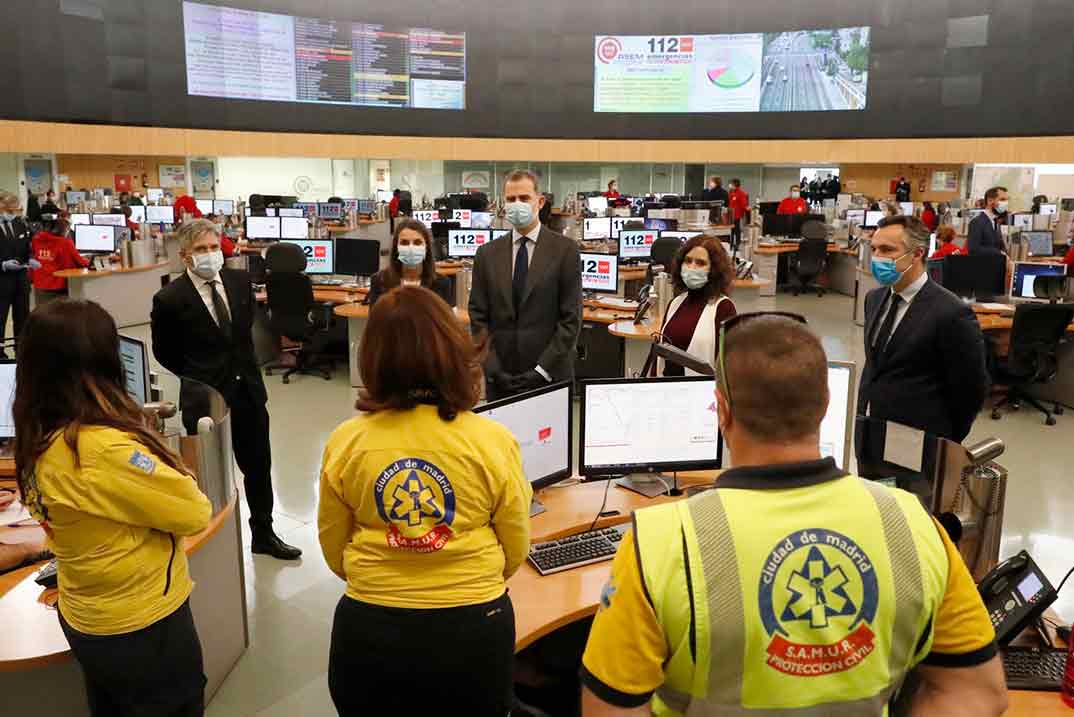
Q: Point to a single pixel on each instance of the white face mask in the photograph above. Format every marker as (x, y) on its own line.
(412, 254)
(207, 266)
(519, 214)
(795, 194)
(1001, 207)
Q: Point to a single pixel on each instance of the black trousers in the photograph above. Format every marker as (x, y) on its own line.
(14, 299)
(452, 660)
(153, 672)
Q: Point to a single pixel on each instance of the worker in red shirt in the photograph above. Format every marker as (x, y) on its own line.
(739, 202)
(393, 209)
(53, 251)
(132, 225)
(793, 204)
(613, 190)
(929, 217)
(946, 238)
(188, 204)
(1069, 261)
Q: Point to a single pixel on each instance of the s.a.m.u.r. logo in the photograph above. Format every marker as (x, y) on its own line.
(818, 597)
(417, 502)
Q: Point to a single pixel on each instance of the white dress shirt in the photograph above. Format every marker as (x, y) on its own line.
(206, 292)
(531, 245)
(907, 295)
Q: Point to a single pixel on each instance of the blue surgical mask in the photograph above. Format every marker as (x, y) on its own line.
(7, 217)
(519, 214)
(886, 272)
(694, 278)
(412, 254)
(207, 266)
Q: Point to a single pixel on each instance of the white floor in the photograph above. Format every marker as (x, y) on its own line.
(291, 604)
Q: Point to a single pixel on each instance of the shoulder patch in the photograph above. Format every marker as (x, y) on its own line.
(143, 463)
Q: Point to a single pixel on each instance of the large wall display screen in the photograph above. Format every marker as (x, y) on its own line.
(251, 55)
(802, 71)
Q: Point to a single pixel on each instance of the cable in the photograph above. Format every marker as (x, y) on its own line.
(603, 503)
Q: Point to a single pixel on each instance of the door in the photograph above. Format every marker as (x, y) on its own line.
(695, 179)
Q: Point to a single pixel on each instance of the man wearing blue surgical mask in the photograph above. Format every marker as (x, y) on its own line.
(924, 351)
(526, 295)
(985, 235)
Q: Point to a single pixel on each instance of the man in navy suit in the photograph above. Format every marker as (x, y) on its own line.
(985, 236)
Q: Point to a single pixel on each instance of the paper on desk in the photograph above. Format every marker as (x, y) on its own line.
(14, 514)
(903, 446)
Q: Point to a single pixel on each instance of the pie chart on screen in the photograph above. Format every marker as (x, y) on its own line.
(730, 68)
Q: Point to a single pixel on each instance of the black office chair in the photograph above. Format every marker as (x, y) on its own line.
(809, 263)
(1033, 358)
(663, 252)
(293, 313)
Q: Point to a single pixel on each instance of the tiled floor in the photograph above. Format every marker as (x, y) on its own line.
(291, 604)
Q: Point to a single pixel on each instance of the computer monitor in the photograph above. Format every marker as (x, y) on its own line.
(681, 236)
(636, 243)
(599, 228)
(224, 206)
(977, 276)
(907, 208)
(648, 425)
(465, 242)
(294, 227)
(262, 228)
(329, 210)
(541, 422)
(80, 219)
(1048, 209)
(351, 205)
(7, 399)
(159, 215)
(838, 423)
(285, 212)
(776, 225)
(1026, 273)
(856, 216)
(428, 217)
(367, 206)
(137, 213)
(656, 224)
(600, 273)
(308, 209)
(205, 206)
(1022, 222)
(597, 205)
(74, 197)
(935, 269)
(154, 194)
(1038, 243)
(463, 216)
(383, 195)
(112, 220)
(872, 219)
(497, 233)
(320, 257)
(619, 224)
(440, 230)
(135, 360)
(357, 257)
(481, 220)
(95, 239)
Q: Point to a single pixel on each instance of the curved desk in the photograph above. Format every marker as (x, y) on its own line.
(126, 294)
(842, 265)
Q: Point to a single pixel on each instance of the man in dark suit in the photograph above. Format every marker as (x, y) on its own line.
(526, 294)
(715, 191)
(985, 236)
(925, 354)
(203, 330)
(15, 259)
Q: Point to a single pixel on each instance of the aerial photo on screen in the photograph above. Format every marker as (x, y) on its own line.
(815, 70)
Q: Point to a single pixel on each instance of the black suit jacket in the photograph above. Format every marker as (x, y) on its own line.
(441, 285)
(544, 330)
(190, 344)
(984, 237)
(17, 247)
(933, 375)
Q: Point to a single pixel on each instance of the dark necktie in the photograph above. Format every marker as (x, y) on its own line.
(522, 269)
(223, 316)
(884, 334)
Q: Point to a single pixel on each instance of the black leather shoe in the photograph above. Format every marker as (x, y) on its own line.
(272, 545)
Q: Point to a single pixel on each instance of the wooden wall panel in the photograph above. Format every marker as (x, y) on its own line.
(99, 170)
(30, 137)
(874, 180)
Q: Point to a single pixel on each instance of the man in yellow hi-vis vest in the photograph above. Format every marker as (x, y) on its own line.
(793, 588)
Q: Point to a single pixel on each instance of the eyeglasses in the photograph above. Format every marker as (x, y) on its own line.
(738, 320)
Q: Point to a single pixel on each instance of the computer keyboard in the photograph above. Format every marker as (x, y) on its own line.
(327, 282)
(1031, 668)
(576, 550)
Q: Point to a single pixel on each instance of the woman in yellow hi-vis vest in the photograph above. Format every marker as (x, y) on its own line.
(793, 588)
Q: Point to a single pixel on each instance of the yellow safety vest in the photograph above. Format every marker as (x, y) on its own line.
(793, 601)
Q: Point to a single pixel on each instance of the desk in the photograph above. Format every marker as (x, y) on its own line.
(126, 294)
(326, 295)
(841, 266)
(543, 604)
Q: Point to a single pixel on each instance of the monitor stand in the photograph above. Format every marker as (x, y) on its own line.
(650, 485)
(536, 507)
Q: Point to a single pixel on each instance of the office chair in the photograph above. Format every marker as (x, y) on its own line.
(810, 263)
(293, 313)
(663, 252)
(1035, 337)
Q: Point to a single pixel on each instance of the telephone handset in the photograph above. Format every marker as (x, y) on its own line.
(1015, 593)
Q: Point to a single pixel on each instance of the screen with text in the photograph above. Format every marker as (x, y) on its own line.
(600, 272)
(541, 425)
(466, 242)
(319, 255)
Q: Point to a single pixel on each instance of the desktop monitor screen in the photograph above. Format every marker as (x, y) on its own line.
(159, 215)
(154, 194)
(137, 213)
(600, 272)
(872, 219)
(319, 255)
(907, 208)
(656, 224)
(351, 205)
(7, 399)
(1038, 243)
(80, 219)
(285, 212)
(466, 242)
(838, 422)
(980, 276)
(74, 197)
(1025, 274)
(113, 220)
(427, 216)
(1048, 209)
(481, 220)
(541, 423)
(681, 236)
(597, 205)
(636, 243)
(205, 206)
(308, 209)
(358, 257)
(856, 216)
(619, 224)
(135, 360)
(648, 425)
(367, 206)
(92, 238)
(294, 227)
(497, 233)
(600, 228)
(224, 206)
(463, 216)
(262, 227)
(1022, 222)
(329, 210)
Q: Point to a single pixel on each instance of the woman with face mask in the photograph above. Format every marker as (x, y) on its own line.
(703, 277)
(412, 264)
